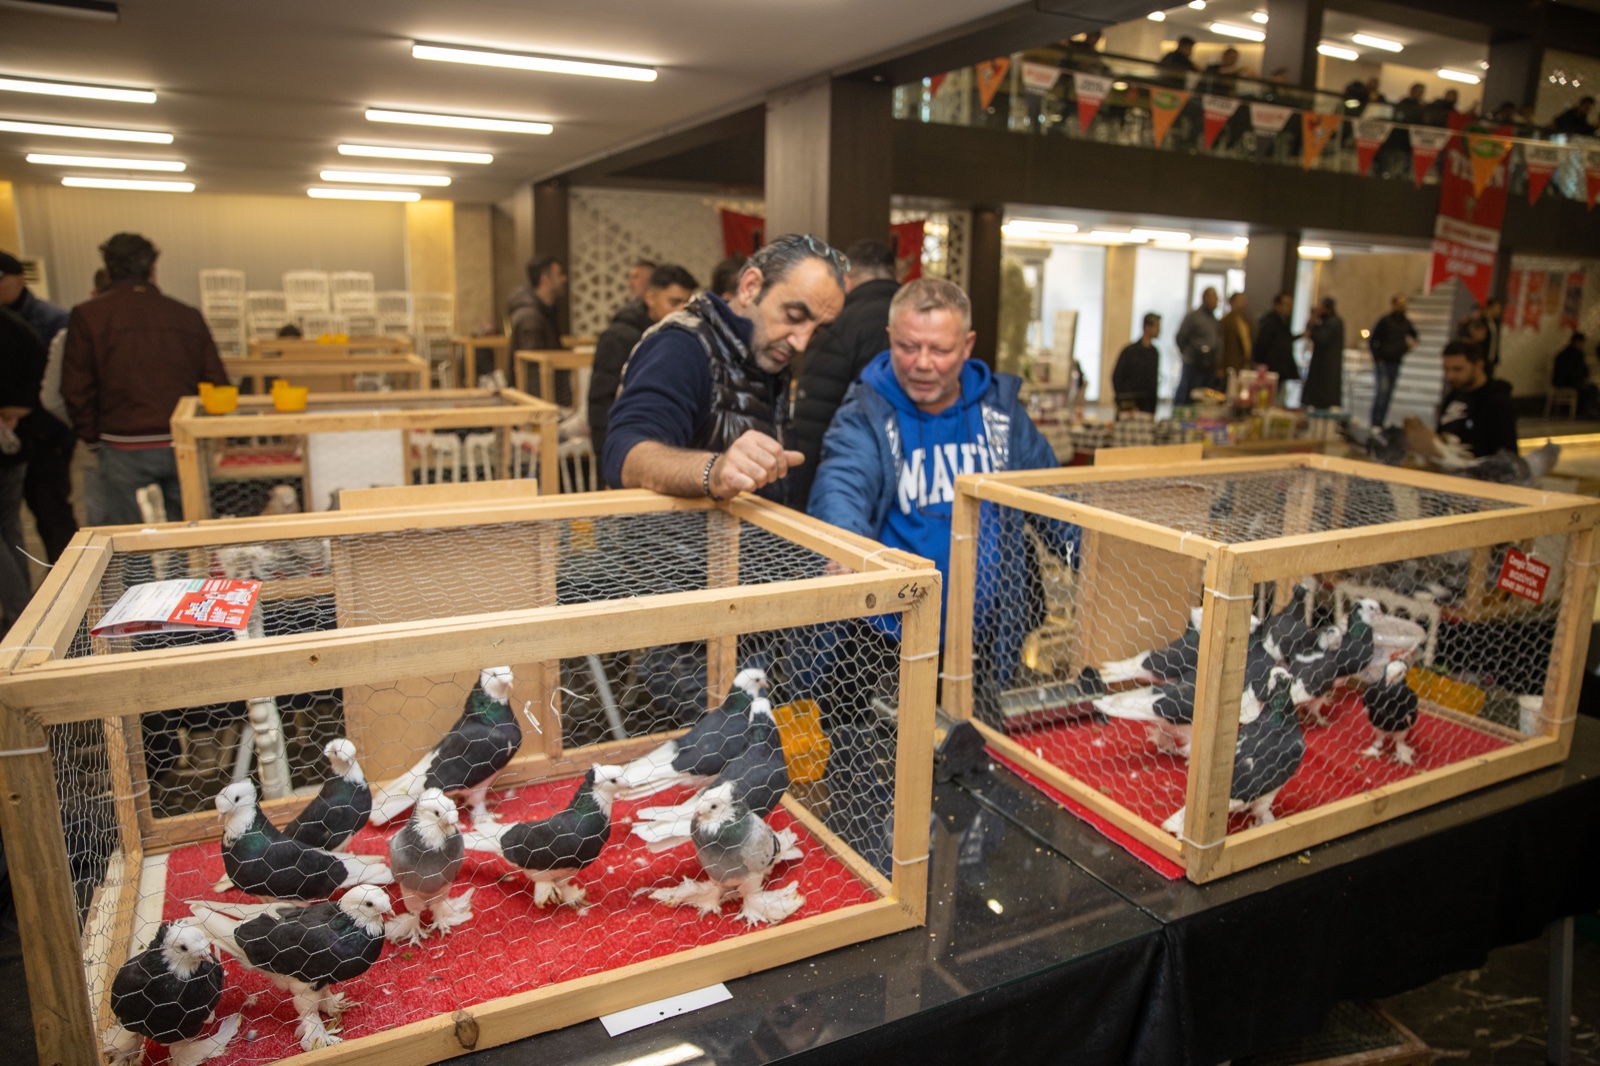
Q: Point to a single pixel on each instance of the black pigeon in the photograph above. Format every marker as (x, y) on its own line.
(168, 993)
(1392, 709)
(737, 849)
(1169, 708)
(260, 860)
(1286, 634)
(340, 810)
(467, 758)
(701, 753)
(1176, 661)
(305, 950)
(551, 852)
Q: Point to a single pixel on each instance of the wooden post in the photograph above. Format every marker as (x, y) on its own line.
(722, 571)
(550, 456)
(1560, 708)
(913, 777)
(41, 886)
(193, 477)
(956, 692)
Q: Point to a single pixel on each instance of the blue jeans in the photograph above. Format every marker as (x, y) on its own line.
(1384, 377)
(124, 472)
(1192, 377)
(16, 586)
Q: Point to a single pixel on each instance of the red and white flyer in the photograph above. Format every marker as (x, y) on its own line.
(1524, 576)
(185, 606)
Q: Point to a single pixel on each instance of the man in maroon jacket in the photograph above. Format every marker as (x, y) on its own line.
(131, 354)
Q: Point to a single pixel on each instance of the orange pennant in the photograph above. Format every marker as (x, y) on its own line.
(1318, 129)
(1165, 104)
(991, 73)
(1486, 153)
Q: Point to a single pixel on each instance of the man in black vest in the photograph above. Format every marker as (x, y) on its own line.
(704, 406)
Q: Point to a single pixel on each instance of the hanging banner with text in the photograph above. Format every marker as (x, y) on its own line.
(1165, 105)
(991, 73)
(1040, 78)
(1511, 317)
(1573, 303)
(1466, 234)
(1541, 161)
(906, 240)
(1426, 144)
(1091, 90)
(741, 234)
(1218, 110)
(1486, 153)
(1370, 135)
(1533, 299)
(1268, 119)
(1591, 174)
(1318, 130)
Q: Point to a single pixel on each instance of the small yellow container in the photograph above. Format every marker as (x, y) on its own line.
(289, 397)
(805, 746)
(1446, 692)
(219, 399)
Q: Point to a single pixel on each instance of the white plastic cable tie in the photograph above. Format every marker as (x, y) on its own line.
(918, 658)
(911, 862)
(84, 547)
(1555, 721)
(37, 647)
(962, 536)
(26, 751)
(41, 562)
(955, 677)
(868, 557)
(1591, 562)
(1202, 847)
(1225, 596)
(1182, 540)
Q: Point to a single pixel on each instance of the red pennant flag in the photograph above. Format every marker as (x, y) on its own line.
(1541, 161)
(906, 238)
(1591, 174)
(1039, 77)
(1426, 144)
(1091, 90)
(1318, 130)
(1165, 104)
(1370, 135)
(1218, 110)
(1268, 119)
(1511, 315)
(991, 73)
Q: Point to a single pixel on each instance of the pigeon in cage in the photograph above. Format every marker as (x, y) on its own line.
(1392, 710)
(737, 849)
(304, 950)
(467, 758)
(340, 810)
(552, 852)
(169, 993)
(1266, 755)
(1340, 655)
(261, 860)
(1176, 661)
(426, 856)
(759, 776)
(282, 499)
(1287, 634)
(1168, 708)
(700, 754)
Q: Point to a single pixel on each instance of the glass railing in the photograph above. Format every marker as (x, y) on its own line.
(1114, 99)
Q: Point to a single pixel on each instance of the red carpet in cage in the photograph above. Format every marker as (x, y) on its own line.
(1118, 760)
(509, 945)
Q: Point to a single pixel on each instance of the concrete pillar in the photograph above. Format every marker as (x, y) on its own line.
(10, 229)
(983, 281)
(475, 302)
(431, 246)
(1294, 28)
(1117, 313)
(828, 160)
(1514, 65)
(1270, 265)
(551, 234)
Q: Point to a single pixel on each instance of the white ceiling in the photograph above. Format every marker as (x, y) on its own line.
(258, 94)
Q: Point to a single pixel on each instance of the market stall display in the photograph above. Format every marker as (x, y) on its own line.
(258, 459)
(510, 676)
(1197, 655)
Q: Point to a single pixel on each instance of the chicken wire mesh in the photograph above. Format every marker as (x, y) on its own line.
(1086, 645)
(584, 830)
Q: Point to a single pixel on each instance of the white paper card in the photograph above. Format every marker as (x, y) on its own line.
(624, 1021)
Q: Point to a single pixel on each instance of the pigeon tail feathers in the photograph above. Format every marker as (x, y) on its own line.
(1126, 670)
(398, 796)
(361, 870)
(194, 1052)
(1137, 705)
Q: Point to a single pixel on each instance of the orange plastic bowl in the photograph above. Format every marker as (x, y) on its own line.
(220, 399)
(290, 398)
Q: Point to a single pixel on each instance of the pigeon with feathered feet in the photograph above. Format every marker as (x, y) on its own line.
(169, 993)
(551, 852)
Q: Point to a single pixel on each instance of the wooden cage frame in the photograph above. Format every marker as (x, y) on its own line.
(326, 366)
(1231, 572)
(424, 409)
(40, 688)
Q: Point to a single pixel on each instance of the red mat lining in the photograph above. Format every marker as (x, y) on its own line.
(509, 945)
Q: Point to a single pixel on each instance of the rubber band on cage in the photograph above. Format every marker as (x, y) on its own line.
(26, 751)
(1225, 596)
(962, 536)
(919, 658)
(911, 862)
(85, 547)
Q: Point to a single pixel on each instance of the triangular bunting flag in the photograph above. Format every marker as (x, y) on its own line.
(1486, 152)
(1268, 119)
(1318, 129)
(1591, 174)
(1370, 135)
(1541, 161)
(1039, 77)
(991, 73)
(1091, 90)
(1165, 104)
(1218, 109)
(1426, 144)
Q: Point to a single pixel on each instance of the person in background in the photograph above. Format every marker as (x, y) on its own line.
(1390, 338)
(534, 323)
(1571, 371)
(704, 406)
(670, 288)
(1574, 121)
(1198, 341)
(1083, 53)
(1359, 94)
(1274, 348)
(725, 276)
(1136, 379)
(639, 277)
(1176, 63)
(1220, 77)
(1476, 411)
(47, 486)
(1412, 109)
(1493, 311)
(1238, 337)
(1324, 385)
(839, 354)
(1439, 111)
(20, 372)
(131, 354)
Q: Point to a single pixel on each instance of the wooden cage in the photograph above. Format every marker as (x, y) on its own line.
(1055, 571)
(230, 464)
(67, 697)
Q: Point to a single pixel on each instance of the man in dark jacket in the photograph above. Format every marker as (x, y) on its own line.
(1571, 371)
(1391, 337)
(47, 487)
(841, 352)
(534, 318)
(667, 289)
(1274, 347)
(1575, 119)
(1476, 411)
(131, 354)
(21, 368)
(1136, 379)
(1325, 376)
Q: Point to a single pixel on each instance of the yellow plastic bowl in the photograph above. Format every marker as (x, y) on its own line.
(290, 398)
(220, 399)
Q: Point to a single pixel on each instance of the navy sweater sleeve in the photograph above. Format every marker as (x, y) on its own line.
(666, 397)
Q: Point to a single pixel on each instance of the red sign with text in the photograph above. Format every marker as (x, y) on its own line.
(1522, 576)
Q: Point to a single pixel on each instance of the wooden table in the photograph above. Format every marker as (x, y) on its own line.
(257, 368)
(463, 358)
(302, 348)
(549, 362)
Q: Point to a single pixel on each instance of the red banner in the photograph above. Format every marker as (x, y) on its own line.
(1533, 299)
(1486, 153)
(1165, 105)
(1511, 317)
(1573, 302)
(1218, 110)
(906, 240)
(1466, 234)
(1370, 135)
(1426, 144)
(991, 72)
(1591, 174)
(1091, 90)
(742, 234)
(1318, 130)
(1541, 161)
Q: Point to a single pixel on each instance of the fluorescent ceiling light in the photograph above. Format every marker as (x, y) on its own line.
(97, 10)
(1338, 51)
(142, 185)
(374, 178)
(86, 92)
(403, 195)
(1197, 5)
(1159, 234)
(1244, 33)
(457, 122)
(590, 68)
(1377, 42)
(171, 165)
(1258, 17)
(93, 133)
(1157, 16)
(1315, 251)
(1111, 236)
(1221, 244)
(1456, 75)
(431, 155)
(1037, 229)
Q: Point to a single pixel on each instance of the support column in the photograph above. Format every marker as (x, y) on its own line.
(1514, 64)
(828, 160)
(10, 229)
(1269, 267)
(1118, 315)
(1294, 28)
(551, 235)
(983, 282)
(431, 246)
